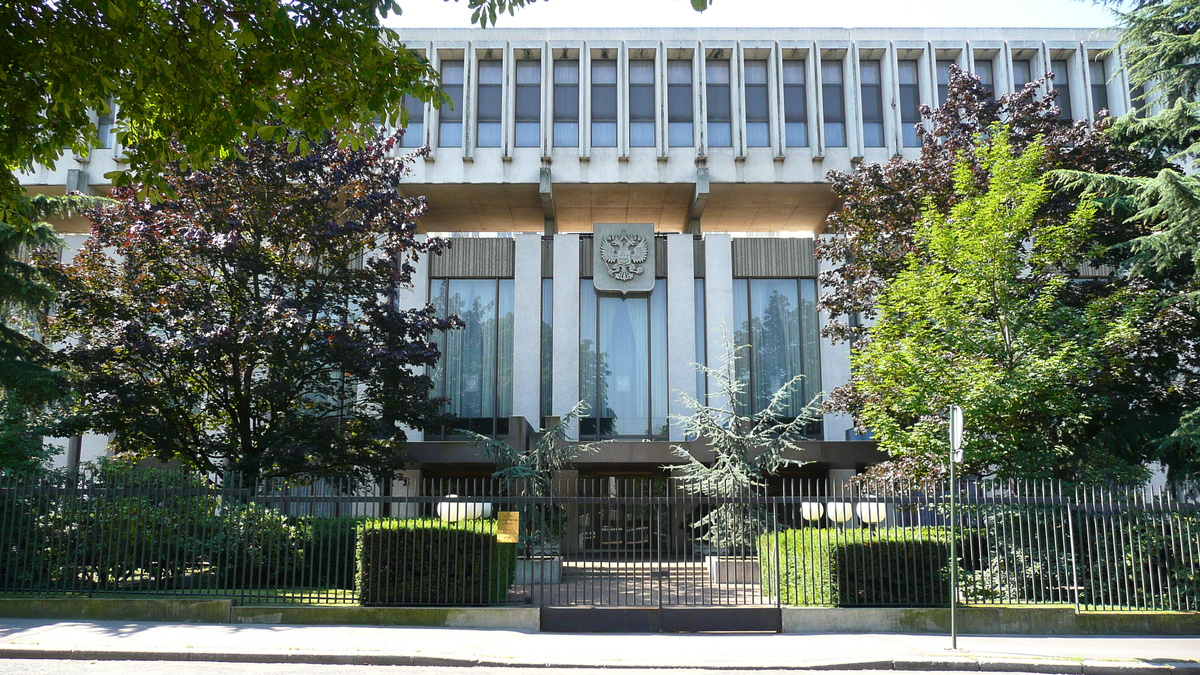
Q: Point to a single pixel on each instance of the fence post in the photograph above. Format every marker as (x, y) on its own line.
(1071, 539)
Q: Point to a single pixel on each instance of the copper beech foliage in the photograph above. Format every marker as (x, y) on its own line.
(881, 203)
(250, 323)
(1143, 373)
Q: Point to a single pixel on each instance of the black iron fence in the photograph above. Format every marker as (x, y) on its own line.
(604, 541)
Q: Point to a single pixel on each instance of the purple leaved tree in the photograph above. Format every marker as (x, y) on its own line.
(249, 324)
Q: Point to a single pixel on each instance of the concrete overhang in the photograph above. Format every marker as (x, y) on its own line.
(729, 207)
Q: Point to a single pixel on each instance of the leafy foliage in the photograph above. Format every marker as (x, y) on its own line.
(746, 448)
(873, 233)
(485, 12)
(430, 562)
(1139, 383)
(1160, 45)
(249, 324)
(532, 472)
(983, 316)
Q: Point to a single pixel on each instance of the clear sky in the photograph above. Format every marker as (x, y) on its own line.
(760, 13)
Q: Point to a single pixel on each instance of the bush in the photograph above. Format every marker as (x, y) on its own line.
(1148, 560)
(253, 546)
(428, 562)
(818, 566)
(126, 527)
(328, 552)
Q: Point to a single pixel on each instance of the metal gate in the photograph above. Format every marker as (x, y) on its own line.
(644, 554)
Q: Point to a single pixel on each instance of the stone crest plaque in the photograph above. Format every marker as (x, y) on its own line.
(623, 257)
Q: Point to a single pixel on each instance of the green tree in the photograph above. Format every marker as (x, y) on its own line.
(983, 315)
(180, 73)
(249, 323)
(531, 472)
(1160, 45)
(747, 446)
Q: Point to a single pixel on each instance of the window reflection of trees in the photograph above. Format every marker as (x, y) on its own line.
(475, 372)
(777, 318)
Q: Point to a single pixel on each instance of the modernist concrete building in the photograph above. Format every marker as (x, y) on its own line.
(578, 163)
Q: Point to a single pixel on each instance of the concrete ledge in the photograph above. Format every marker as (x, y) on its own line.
(505, 618)
(988, 621)
(118, 609)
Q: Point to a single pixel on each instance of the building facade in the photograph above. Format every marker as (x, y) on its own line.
(570, 157)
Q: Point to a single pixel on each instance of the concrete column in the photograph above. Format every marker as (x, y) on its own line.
(416, 297)
(718, 302)
(837, 481)
(406, 484)
(681, 317)
(568, 486)
(565, 392)
(527, 327)
(835, 368)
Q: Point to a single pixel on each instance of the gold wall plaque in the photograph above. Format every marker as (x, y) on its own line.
(508, 527)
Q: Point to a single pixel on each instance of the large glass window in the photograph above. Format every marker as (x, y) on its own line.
(414, 131)
(757, 117)
(604, 104)
(910, 102)
(679, 103)
(1062, 84)
(450, 117)
(566, 103)
(795, 105)
(872, 103)
(489, 104)
(529, 104)
(475, 371)
(834, 103)
(1099, 86)
(623, 363)
(777, 318)
(641, 103)
(719, 103)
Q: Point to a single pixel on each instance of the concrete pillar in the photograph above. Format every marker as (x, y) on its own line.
(568, 486)
(838, 479)
(407, 483)
(718, 302)
(681, 317)
(565, 391)
(415, 297)
(527, 327)
(835, 369)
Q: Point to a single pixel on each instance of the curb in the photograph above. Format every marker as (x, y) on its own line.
(928, 664)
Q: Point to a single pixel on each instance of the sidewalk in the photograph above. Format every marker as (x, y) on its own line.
(113, 640)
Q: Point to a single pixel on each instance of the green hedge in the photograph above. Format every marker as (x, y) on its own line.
(428, 562)
(847, 567)
(329, 552)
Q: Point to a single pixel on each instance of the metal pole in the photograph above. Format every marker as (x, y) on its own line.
(953, 555)
(956, 430)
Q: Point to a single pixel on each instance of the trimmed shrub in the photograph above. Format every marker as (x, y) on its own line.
(329, 552)
(819, 566)
(253, 546)
(429, 562)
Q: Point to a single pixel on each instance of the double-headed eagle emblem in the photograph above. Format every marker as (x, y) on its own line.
(624, 254)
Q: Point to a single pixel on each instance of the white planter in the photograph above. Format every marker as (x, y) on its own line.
(728, 569)
(538, 570)
(453, 512)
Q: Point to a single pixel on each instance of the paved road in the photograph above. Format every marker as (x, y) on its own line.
(51, 667)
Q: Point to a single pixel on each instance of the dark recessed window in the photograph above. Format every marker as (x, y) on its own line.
(529, 104)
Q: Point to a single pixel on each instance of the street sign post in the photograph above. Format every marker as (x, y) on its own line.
(956, 456)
